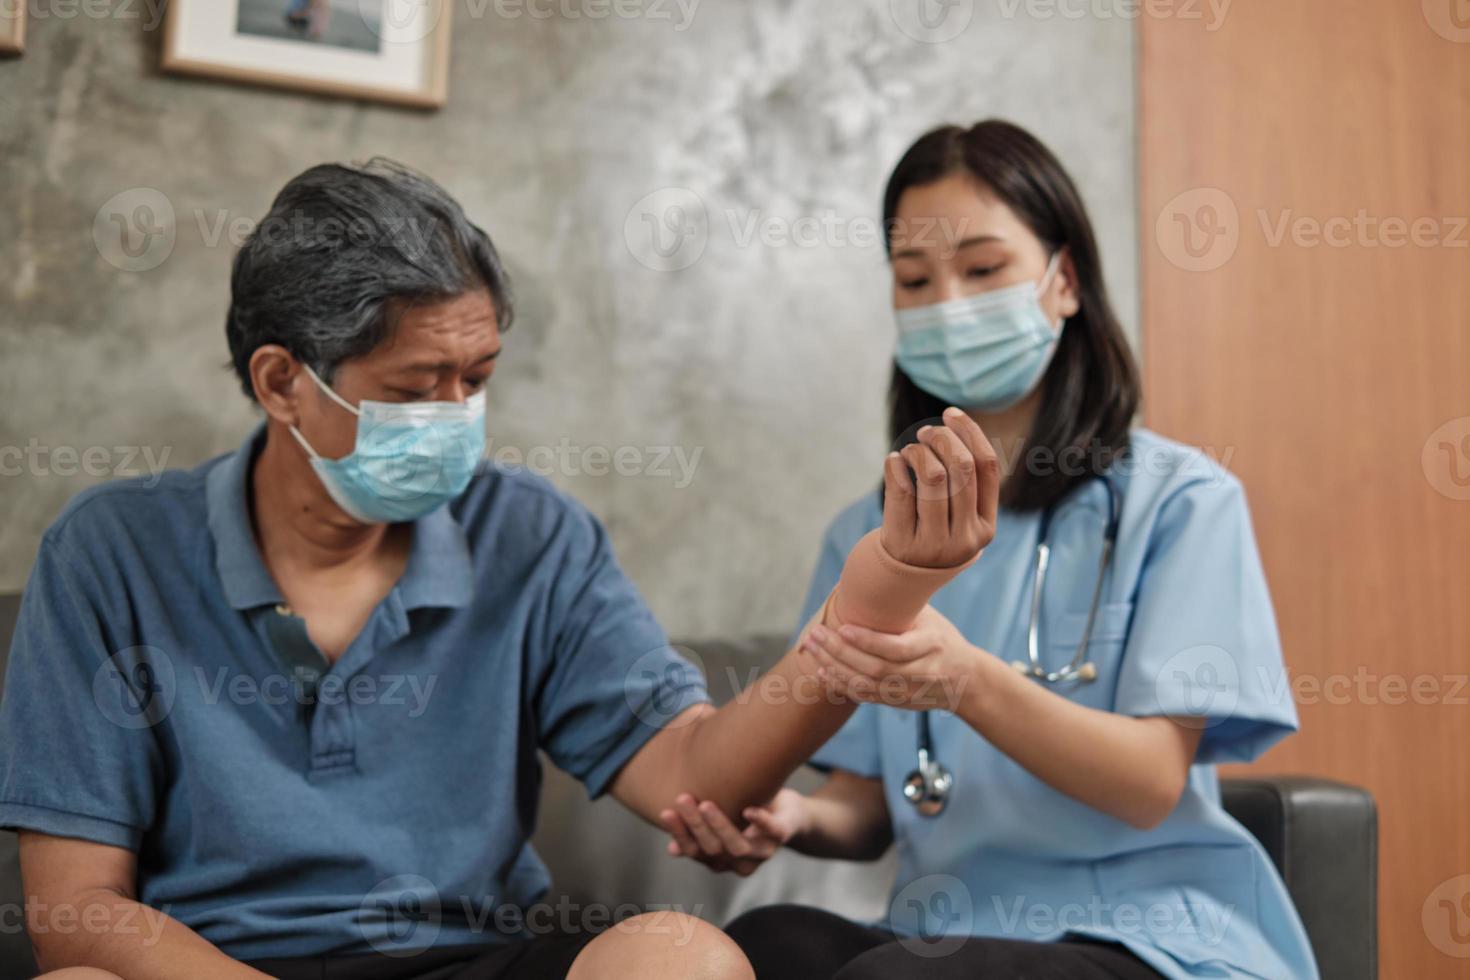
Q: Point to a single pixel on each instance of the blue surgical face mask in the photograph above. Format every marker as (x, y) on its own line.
(986, 351)
(409, 459)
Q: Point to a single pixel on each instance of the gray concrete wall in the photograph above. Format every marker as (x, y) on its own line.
(762, 360)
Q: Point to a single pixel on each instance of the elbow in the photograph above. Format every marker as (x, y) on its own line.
(57, 947)
(1153, 804)
(1146, 819)
(52, 949)
(51, 955)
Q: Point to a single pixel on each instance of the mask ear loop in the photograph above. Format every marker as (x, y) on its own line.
(1045, 283)
(330, 394)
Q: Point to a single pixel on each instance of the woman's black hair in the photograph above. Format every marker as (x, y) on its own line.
(1091, 391)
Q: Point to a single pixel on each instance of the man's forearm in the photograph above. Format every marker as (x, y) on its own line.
(117, 933)
(742, 754)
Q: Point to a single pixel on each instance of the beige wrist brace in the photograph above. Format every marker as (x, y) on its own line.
(880, 592)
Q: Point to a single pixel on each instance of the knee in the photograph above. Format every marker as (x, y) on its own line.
(662, 946)
(79, 973)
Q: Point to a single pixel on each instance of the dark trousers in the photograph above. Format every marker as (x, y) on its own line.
(793, 942)
(542, 958)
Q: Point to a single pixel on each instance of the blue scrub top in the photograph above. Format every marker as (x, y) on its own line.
(150, 704)
(1185, 628)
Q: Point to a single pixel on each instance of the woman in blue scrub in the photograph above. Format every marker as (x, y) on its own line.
(1041, 744)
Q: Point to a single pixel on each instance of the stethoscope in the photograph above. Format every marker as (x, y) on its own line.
(928, 787)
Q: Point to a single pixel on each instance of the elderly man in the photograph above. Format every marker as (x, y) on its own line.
(280, 715)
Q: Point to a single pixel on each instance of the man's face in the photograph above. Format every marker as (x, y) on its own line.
(441, 352)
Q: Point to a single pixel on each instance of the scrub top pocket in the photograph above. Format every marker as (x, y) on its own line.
(1104, 649)
(1110, 627)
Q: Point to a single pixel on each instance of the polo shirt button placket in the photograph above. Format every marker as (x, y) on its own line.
(332, 743)
(321, 693)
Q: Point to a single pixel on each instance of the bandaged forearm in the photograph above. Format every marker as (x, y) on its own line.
(880, 592)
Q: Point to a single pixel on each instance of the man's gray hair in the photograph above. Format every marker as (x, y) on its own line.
(343, 250)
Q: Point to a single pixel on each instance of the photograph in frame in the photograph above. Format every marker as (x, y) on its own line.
(394, 51)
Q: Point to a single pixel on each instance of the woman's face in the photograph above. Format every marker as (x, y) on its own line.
(954, 238)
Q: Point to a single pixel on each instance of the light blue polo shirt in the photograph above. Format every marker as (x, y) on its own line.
(383, 805)
(1184, 628)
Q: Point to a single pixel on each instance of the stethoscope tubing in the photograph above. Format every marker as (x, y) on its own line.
(927, 787)
(1077, 669)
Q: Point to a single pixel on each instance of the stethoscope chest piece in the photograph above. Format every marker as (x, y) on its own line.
(928, 786)
(1085, 672)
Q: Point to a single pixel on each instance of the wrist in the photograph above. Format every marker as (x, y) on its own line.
(986, 682)
(881, 592)
(804, 822)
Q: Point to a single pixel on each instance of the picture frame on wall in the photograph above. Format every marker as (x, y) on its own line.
(12, 28)
(393, 51)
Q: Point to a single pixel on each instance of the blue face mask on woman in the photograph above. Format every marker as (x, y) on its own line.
(410, 457)
(986, 351)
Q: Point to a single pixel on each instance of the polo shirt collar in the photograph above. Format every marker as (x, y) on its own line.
(438, 573)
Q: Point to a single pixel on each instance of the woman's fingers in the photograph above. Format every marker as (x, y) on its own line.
(708, 841)
(702, 831)
(959, 468)
(683, 843)
(987, 464)
(734, 842)
(888, 647)
(848, 655)
(763, 844)
(765, 832)
(843, 680)
(871, 677)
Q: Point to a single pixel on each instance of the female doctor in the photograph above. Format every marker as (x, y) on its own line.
(1041, 742)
